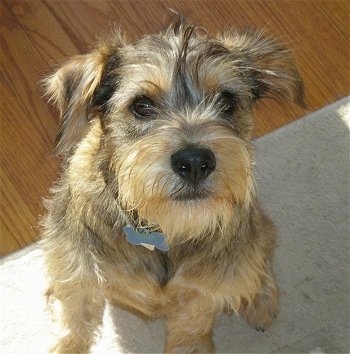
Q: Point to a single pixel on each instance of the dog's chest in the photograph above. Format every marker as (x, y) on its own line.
(185, 262)
(151, 281)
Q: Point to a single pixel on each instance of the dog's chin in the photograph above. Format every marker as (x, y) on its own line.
(188, 214)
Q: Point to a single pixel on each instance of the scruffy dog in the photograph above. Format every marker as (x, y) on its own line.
(155, 139)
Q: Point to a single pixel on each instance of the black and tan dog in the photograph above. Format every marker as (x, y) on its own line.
(155, 137)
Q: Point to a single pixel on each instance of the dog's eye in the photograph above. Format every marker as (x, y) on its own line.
(143, 108)
(227, 102)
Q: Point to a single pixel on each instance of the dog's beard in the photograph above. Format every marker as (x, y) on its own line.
(148, 185)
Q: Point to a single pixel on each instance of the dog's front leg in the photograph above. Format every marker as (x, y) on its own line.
(80, 312)
(189, 327)
(264, 307)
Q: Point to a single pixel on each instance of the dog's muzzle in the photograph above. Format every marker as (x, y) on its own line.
(193, 164)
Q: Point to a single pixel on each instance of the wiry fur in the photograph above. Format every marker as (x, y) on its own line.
(117, 171)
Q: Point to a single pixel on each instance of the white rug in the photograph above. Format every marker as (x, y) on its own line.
(303, 182)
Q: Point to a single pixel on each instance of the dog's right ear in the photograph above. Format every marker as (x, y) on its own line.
(81, 88)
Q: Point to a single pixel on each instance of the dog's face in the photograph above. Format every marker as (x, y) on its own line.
(175, 111)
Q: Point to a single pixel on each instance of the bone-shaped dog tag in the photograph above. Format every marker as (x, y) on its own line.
(149, 240)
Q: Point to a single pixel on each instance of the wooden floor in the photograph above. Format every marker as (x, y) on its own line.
(37, 35)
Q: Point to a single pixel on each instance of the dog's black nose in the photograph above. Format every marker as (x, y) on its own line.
(193, 164)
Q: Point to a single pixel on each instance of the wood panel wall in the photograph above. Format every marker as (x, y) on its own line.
(36, 36)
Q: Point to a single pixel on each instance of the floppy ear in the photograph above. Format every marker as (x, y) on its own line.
(269, 66)
(81, 88)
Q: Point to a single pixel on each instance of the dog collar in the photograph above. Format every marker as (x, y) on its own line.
(150, 240)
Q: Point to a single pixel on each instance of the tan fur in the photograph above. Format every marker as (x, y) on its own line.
(117, 171)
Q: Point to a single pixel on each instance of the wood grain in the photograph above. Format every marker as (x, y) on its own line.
(36, 36)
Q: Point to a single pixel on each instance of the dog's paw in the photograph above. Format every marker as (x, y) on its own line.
(262, 311)
(68, 345)
(201, 345)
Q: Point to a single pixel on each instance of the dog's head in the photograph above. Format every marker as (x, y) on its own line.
(175, 111)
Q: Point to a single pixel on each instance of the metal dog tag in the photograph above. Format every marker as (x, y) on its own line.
(149, 240)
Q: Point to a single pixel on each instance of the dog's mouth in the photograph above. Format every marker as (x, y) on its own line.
(192, 194)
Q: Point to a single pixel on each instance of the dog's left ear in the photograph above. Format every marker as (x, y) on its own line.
(268, 65)
(81, 89)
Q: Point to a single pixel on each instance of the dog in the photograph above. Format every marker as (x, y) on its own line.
(155, 210)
